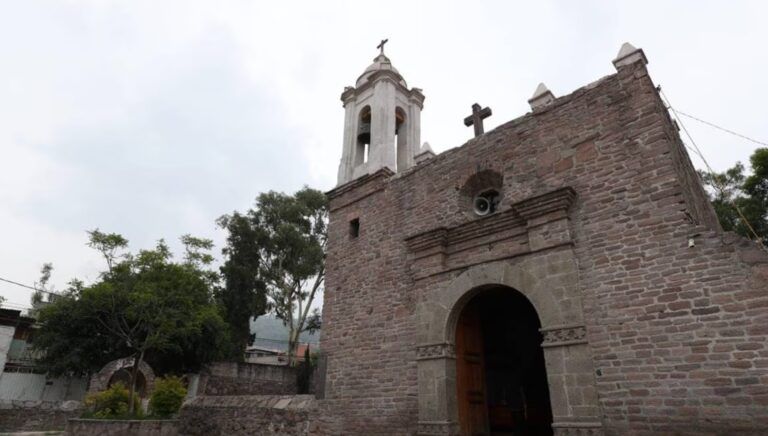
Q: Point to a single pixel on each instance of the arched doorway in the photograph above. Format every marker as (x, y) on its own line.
(501, 379)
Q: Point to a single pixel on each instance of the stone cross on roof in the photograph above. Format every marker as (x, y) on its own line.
(381, 45)
(477, 117)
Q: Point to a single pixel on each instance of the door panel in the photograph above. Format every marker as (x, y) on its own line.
(470, 374)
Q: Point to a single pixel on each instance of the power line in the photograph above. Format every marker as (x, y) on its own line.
(720, 188)
(27, 286)
(722, 128)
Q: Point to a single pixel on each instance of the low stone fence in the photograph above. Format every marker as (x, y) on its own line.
(122, 427)
(275, 415)
(233, 378)
(17, 415)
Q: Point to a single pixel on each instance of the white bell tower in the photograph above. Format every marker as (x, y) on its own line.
(382, 122)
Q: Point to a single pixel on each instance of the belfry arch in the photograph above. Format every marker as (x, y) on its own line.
(401, 138)
(550, 285)
(363, 148)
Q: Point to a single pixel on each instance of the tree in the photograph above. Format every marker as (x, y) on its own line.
(278, 248)
(243, 295)
(741, 201)
(108, 245)
(145, 305)
(43, 293)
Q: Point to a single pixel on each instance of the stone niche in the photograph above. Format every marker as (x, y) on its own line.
(537, 260)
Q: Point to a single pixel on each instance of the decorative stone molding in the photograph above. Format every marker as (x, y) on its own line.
(435, 351)
(534, 224)
(428, 428)
(578, 429)
(383, 173)
(542, 97)
(628, 55)
(426, 153)
(563, 335)
(559, 200)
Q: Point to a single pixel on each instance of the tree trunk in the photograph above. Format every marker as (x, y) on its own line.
(293, 339)
(134, 376)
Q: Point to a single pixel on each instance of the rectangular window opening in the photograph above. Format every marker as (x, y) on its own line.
(354, 228)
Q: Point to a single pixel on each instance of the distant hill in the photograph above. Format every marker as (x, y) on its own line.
(271, 333)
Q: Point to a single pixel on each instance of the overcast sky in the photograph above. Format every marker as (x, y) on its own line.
(153, 118)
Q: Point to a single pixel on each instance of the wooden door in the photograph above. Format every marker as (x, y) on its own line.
(470, 374)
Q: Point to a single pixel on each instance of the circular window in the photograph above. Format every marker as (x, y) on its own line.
(486, 202)
(481, 194)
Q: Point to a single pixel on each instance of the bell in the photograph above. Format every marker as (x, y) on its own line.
(364, 132)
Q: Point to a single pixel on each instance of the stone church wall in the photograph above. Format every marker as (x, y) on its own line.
(669, 314)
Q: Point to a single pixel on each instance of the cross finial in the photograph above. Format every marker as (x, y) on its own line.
(381, 45)
(477, 117)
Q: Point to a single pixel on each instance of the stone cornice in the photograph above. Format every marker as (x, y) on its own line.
(441, 236)
(383, 173)
(559, 200)
(414, 93)
(520, 214)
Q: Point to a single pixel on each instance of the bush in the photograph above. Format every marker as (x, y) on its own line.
(112, 403)
(167, 397)
(304, 375)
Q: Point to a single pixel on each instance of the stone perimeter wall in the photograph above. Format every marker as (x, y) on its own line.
(677, 334)
(36, 415)
(249, 415)
(100, 427)
(232, 378)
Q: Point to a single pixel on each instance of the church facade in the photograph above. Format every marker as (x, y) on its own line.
(563, 273)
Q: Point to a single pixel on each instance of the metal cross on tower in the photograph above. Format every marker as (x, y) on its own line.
(381, 45)
(476, 118)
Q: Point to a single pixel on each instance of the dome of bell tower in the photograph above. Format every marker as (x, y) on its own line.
(380, 63)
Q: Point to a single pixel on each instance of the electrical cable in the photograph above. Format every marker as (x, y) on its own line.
(719, 187)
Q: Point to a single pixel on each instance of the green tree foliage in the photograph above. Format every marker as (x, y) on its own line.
(167, 397)
(277, 250)
(43, 290)
(111, 403)
(243, 294)
(735, 195)
(144, 305)
(108, 244)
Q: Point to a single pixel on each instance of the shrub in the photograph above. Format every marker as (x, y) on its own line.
(304, 375)
(111, 403)
(167, 397)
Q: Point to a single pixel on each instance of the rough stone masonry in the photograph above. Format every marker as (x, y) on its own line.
(653, 321)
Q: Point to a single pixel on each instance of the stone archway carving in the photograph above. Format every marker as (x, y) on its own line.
(100, 380)
(550, 282)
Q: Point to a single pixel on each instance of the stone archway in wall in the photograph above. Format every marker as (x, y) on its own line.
(550, 283)
(501, 378)
(119, 371)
